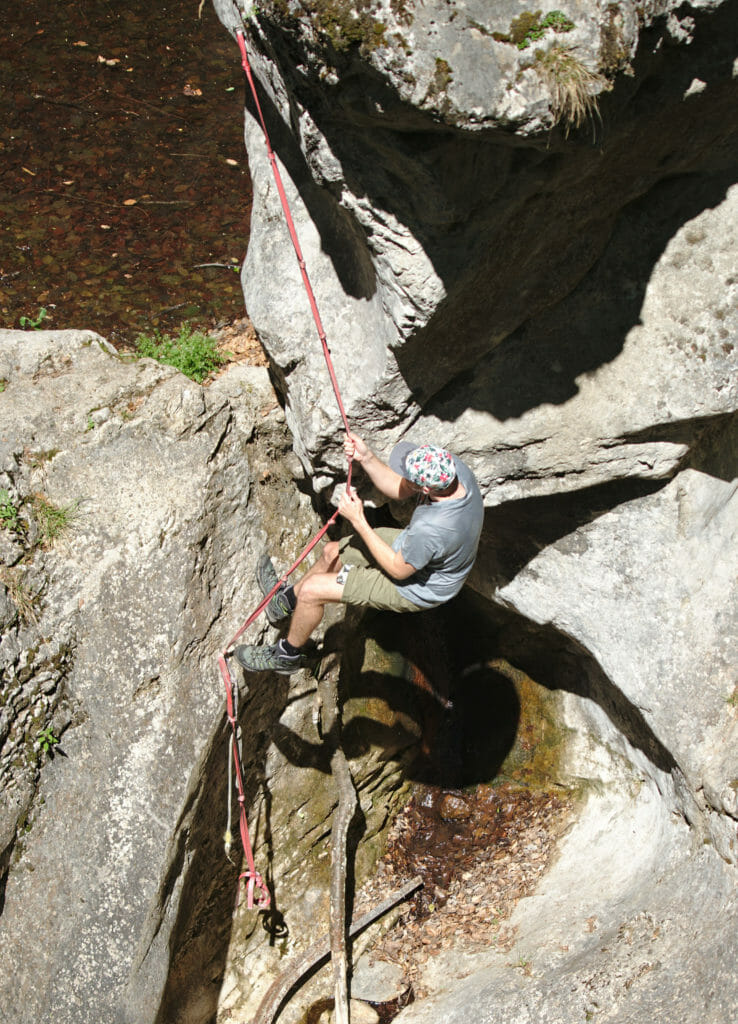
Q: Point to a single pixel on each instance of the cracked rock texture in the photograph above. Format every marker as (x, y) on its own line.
(116, 897)
(558, 303)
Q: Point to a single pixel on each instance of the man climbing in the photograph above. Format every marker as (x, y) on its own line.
(407, 570)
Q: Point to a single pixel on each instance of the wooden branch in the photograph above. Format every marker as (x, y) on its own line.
(347, 803)
(330, 714)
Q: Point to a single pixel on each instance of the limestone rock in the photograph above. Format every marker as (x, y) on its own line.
(557, 307)
(377, 981)
(117, 897)
(120, 644)
(556, 302)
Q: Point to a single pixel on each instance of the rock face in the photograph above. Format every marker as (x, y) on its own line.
(115, 655)
(558, 302)
(485, 278)
(117, 897)
(521, 230)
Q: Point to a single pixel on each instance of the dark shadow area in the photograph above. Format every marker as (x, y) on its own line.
(407, 663)
(541, 362)
(401, 669)
(488, 714)
(556, 662)
(716, 452)
(4, 864)
(200, 936)
(513, 226)
(398, 673)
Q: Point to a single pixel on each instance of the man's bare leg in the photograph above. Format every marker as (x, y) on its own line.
(329, 561)
(316, 588)
(313, 592)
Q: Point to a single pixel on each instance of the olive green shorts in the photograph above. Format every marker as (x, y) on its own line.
(366, 585)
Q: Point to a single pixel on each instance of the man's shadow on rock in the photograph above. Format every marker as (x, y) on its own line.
(402, 695)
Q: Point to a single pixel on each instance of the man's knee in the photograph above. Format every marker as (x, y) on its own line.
(309, 593)
(331, 551)
(318, 589)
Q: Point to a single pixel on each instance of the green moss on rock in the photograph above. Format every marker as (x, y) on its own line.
(346, 25)
(540, 743)
(614, 53)
(530, 26)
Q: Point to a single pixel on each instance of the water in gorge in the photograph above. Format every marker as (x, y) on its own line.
(125, 197)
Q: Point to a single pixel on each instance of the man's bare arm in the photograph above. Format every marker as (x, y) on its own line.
(387, 559)
(391, 484)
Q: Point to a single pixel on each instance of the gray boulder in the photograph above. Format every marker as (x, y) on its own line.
(474, 271)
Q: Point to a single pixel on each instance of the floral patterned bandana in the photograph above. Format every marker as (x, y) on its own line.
(430, 466)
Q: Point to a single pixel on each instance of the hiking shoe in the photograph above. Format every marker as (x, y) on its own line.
(278, 610)
(268, 659)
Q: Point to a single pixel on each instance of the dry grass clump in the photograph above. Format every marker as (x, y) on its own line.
(13, 579)
(573, 86)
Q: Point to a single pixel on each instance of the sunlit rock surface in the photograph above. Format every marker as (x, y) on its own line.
(511, 290)
(116, 895)
(138, 591)
(559, 304)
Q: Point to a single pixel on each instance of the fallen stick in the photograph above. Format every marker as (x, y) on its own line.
(330, 723)
(347, 804)
(319, 952)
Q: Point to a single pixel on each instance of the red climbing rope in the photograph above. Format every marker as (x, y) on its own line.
(257, 893)
(293, 232)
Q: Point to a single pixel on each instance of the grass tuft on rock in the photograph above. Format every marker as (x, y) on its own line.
(14, 580)
(572, 85)
(53, 520)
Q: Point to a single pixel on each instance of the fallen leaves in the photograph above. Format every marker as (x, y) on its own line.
(475, 869)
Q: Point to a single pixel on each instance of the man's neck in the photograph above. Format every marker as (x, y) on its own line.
(456, 490)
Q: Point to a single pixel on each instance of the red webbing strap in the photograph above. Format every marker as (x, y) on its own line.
(257, 893)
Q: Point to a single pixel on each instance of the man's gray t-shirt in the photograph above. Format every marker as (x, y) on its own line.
(441, 542)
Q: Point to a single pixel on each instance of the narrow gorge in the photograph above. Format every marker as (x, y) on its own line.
(522, 230)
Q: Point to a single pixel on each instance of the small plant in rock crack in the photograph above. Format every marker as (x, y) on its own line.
(193, 353)
(47, 741)
(14, 581)
(53, 520)
(531, 26)
(9, 519)
(29, 323)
